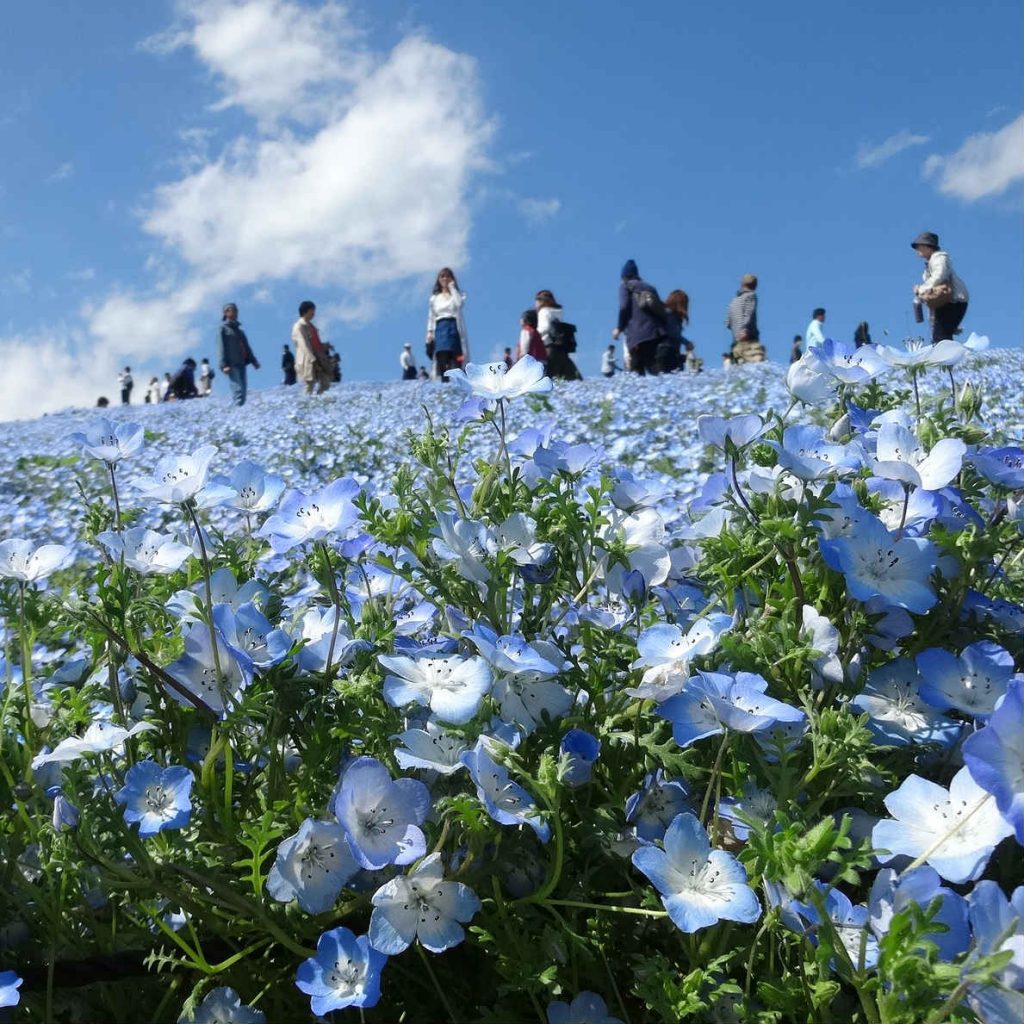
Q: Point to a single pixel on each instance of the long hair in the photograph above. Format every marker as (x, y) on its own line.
(437, 283)
(679, 302)
(546, 300)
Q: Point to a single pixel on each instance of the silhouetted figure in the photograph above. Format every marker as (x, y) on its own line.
(862, 336)
(183, 383)
(288, 365)
(125, 383)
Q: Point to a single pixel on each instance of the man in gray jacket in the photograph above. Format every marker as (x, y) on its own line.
(741, 319)
(233, 353)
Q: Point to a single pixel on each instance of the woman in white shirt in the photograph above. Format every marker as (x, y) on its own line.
(549, 313)
(946, 318)
(447, 342)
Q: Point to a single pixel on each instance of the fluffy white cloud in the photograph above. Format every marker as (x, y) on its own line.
(536, 211)
(871, 156)
(987, 164)
(357, 181)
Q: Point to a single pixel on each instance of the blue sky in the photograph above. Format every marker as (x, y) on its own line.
(165, 157)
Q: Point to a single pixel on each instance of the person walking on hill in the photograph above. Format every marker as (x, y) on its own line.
(447, 341)
(408, 362)
(815, 333)
(183, 384)
(608, 364)
(669, 355)
(641, 319)
(205, 378)
(796, 352)
(234, 353)
(559, 338)
(941, 290)
(125, 383)
(287, 366)
(312, 363)
(741, 319)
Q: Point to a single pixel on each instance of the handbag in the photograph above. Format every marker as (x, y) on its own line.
(938, 296)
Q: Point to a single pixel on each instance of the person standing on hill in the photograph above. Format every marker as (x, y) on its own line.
(125, 383)
(559, 338)
(608, 364)
(815, 333)
(447, 341)
(234, 353)
(862, 336)
(205, 377)
(641, 319)
(677, 315)
(796, 352)
(941, 290)
(407, 361)
(183, 384)
(741, 319)
(287, 366)
(311, 361)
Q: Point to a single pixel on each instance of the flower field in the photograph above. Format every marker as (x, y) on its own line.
(636, 700)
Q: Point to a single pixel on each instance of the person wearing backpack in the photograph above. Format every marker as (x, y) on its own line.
(530, 341)
(559, 337)
(641, 319)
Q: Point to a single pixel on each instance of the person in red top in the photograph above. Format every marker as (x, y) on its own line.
(312, 364)
(530, 341)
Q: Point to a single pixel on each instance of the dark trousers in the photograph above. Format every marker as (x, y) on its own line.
(643, 358)
(445, 361)
(666, 356)
(946, 319)
(126, 395)
(560, 366)
(409, 373)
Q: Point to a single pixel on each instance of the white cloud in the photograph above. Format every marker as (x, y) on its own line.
(277, 59)
(62, 173)
(18, 283)
(987, 164)
(371, 192)
(85, 274)
(536, 211)
(872, 156)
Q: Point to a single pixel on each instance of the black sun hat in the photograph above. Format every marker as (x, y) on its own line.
(926, 238)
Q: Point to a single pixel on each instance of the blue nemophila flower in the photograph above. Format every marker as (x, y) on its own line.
(899, 713)
(177, 478)
(381, 816)
(808, 455)
(431, 748)
(155, 797)
(452, 687)
(256, 637)
(850, 922)
(317, 630)
(712, 702)
(998, 926)
(528, 703)
(1002, 466)
(995, 756)
(586, 1008)
(877, 564)
(27, 562)
(651, 810)
(196, 670)
(916, 509)
(421, 905)
(810, 381)
(9, 985)
(971, 683)
(954, 830)
(756, 806)
(301, 518)
(99, 738)
(739, 430)
(495, 381)
(312, 866)
(892, 893)
(666, 651)
(110, 441)
(849, 364)
(504, 800)
(699, 886)
(514, 655)
(899, 455)
(823, 638)
(253, 489)
(65, 813)
(145, 551)
(188, 605)
(345, 972)
(581, 751)
(224, 1006)
(561, 457)
(917, 354)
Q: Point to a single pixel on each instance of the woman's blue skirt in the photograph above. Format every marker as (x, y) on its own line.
(446, 336)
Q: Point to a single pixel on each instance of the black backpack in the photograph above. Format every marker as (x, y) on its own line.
(647, 299)
(563, 335)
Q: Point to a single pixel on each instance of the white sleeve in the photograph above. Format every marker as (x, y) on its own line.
(430, 315)
(938, 270)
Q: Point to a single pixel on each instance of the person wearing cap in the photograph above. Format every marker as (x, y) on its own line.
(638, 320)
(940, 289)
(408, 362)
(233, 352)
(741, 320)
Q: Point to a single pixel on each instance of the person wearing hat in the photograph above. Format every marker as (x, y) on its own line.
(641, 319)
(941, 290)
(234, 353)
(408, 362)
(741, 319)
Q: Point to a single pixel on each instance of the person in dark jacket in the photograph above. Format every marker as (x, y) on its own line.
(183, 383)
(677, 315)
(862, 336)
(643, 329)
(288, 365)
(234, 353)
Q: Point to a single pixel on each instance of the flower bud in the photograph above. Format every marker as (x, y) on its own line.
(968, 402)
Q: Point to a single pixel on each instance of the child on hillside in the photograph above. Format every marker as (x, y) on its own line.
(530, 341)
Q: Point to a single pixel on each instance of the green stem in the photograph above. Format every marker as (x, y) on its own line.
(638, 911)
(26, 666)
(117, 500)
(191, 513)
(714, 775)
(332, 586)
(437, 985)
